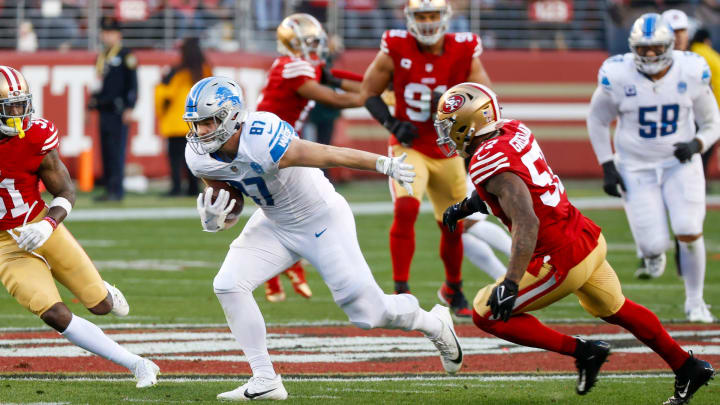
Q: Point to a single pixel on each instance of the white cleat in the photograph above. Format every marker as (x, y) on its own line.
(699, 313)
(652, 267)
(146, 373)
(120, 304)
(447, 342)
(257, 388)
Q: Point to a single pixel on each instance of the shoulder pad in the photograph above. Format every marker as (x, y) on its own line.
(298, 68)
(612, 71)
(390, 38)
(695, 65)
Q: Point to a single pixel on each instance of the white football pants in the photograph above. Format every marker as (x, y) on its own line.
(329, 242)
(679, 189)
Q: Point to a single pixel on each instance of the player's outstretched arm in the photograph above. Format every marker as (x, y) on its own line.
(311, 154)
(57, 180)
(313, 90)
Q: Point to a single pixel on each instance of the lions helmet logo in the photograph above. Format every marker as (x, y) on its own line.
(453, 103)
(224, 94)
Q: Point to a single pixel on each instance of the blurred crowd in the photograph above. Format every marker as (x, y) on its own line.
(226, 25)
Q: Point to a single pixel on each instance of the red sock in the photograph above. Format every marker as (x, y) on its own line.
(646, 326)
(451, 252)
(297, 268)
(402, 236)
(526, 330)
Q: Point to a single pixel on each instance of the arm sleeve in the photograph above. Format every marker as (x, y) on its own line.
(602, 112)
(707, 118)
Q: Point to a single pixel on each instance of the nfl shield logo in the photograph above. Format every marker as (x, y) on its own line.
(234, 169)
(630, 90)
(428, 67)
(682, 87)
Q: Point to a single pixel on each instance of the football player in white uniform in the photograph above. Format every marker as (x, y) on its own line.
(300, 215)
(657, 95)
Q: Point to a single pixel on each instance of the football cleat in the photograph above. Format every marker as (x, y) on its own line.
(447, 342)
(456, 300)
(145, 372)
(120, 305)
(699, 313)
(402, 287)
(296, 274)
(274, 290)
(651, 267)
(689, 378)
(257, 388)
(588, 363)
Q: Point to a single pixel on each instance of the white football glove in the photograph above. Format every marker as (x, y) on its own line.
(394, 167)
(212, 215)
(34, 235)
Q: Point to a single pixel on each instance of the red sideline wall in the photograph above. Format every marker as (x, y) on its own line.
(547, 90)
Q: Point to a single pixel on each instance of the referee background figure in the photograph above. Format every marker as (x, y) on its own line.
(114, 101)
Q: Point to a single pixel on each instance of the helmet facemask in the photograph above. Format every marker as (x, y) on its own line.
(651, 31)
(15, 114)
(430, 32)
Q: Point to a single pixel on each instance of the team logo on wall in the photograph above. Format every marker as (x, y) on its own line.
(453, 103)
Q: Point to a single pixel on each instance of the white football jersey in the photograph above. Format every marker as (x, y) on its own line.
(651, 115)
(287, 196)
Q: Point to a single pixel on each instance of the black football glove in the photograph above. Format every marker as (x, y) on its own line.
(685, 150)
(404, 131)
(611, 179)
(502, 299)
(327, 78)
(464, 208)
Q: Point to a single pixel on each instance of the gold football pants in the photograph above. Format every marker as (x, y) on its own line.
(442, 179)
(593, 280)
(29, 276)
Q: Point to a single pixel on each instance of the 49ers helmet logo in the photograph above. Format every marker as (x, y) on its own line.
(453, 103)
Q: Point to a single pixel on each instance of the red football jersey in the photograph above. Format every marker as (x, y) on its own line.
(280, 95)
(20, 160)
(565, 236)
(418, 74)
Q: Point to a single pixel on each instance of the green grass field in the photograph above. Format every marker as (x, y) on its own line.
(165, 269)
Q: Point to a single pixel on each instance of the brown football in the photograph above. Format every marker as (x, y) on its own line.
(234, 194)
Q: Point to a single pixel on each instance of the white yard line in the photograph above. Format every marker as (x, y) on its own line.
(368, 208)
(628, 377)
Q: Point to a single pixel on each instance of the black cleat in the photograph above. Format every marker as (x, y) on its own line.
(590, 356)
(689, 378)
(402, 287)
(453, 297)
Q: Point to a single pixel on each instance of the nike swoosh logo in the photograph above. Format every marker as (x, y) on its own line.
(500, 301)
(257, 394)
(318, 234)
(683, 393)
(459, 358)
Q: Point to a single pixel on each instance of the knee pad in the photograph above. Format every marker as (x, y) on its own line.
(92, 294)
(653, 245)
(405, 213)
(226, 281)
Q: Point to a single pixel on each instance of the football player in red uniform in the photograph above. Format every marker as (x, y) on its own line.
(422, 63)
(296, 81)
(555, 249)
(35, 247)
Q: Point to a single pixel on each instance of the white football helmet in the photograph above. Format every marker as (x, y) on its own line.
(650, 30)
(427, 33)
(218, 98)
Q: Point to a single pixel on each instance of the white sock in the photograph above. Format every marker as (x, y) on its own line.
(87, 335)
(409, 315)
(493, 235)
(482, 256)
(692, 263)
(248, 326)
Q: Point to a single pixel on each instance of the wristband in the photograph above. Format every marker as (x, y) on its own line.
(61, 202)
(52, 222)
